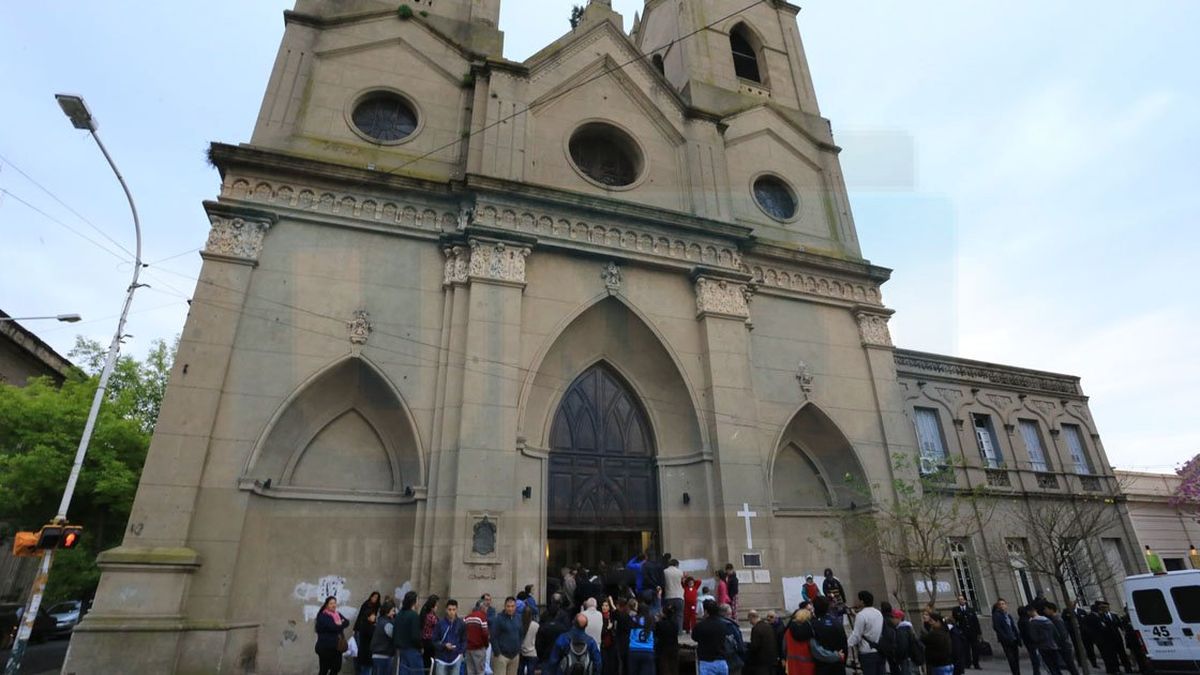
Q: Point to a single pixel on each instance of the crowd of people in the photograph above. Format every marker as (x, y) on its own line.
(629, 620)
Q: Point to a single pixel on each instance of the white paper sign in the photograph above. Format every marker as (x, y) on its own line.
(793, 592)
(762, 576)
(745, 577)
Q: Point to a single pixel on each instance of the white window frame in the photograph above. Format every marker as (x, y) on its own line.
(964, 577)
(1031, 433)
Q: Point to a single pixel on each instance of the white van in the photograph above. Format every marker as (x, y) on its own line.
(1165, 611)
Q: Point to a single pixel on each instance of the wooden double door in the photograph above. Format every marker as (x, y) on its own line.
(603, 491)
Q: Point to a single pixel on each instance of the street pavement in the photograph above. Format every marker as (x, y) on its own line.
(42, 659)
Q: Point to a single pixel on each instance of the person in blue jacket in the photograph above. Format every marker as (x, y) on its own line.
(449, 642)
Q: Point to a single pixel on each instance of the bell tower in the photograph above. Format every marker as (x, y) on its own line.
(722, 55)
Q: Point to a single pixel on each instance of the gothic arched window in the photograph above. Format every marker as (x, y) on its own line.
(745, 54)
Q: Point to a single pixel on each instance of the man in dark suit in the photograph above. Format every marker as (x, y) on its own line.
(1079, 616)
(967, 621)
(1008, 635)
(1112, 640)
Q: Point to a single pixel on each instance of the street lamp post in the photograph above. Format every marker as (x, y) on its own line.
(81, 117)
(65, 318)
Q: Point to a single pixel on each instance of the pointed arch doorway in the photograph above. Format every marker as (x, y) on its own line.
(603, 482)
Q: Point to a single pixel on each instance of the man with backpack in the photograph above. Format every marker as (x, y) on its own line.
(907, 649)
(450, 642)
(709, 635)
(868, 629)
(575, 653)
(735, 645)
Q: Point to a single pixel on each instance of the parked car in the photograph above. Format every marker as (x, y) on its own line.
(10, 621)
(66, 616)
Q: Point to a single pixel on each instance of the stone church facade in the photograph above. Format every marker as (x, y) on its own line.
(462, 320)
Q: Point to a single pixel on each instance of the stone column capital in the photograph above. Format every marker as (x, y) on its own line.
(236, 234)
(873, 329)
(722, 297)
(496, 261)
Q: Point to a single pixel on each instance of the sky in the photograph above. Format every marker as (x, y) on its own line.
(1028, 169)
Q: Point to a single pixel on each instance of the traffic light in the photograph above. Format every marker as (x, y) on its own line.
(25, 544)
(54, 536)
(71, 535)
(49, 536)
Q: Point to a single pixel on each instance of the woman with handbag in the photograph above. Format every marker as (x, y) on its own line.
(331, 637)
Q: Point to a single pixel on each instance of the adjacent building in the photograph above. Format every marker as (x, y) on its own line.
(1169, 529)
(463, 320)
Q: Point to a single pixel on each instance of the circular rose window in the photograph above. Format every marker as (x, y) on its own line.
(606, 154)
(385, 117)
(775, 197)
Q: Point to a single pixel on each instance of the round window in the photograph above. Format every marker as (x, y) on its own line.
(606, 154)
(385, 117)
(775, 197)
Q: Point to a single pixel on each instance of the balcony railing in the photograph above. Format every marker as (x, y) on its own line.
(1047, 481)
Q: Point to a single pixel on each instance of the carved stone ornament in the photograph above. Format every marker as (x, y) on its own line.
(874, 330)
(805, 377)
(360, 327)
(235, 237)
(722, 297)
(483, 542)
(457, 260)
(497, 261)
(612, 277)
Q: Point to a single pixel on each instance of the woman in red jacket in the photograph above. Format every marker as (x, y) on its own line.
(691, 592)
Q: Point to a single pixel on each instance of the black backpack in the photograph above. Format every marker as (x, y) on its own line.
(887, 641)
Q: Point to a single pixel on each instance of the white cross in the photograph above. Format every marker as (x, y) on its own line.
(748, 514)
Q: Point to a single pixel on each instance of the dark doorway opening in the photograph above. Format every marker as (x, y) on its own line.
(592, 548)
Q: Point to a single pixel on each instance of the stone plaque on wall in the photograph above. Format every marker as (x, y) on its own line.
(482, 538)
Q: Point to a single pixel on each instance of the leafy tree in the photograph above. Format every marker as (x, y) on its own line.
(40, 428)
(913, 532)
(1187, 495)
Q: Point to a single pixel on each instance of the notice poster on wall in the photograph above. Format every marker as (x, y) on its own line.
(793, 592)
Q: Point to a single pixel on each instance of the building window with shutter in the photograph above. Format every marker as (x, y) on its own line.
(932, 443)
(1032, 436)
(1079, 456)
(1022, 579)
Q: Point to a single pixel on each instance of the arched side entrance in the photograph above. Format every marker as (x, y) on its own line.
(603, 485)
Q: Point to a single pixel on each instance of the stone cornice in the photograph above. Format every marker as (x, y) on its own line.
(287, 167)
(936, 366)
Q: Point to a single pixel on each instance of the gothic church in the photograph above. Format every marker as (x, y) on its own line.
(463, 320)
